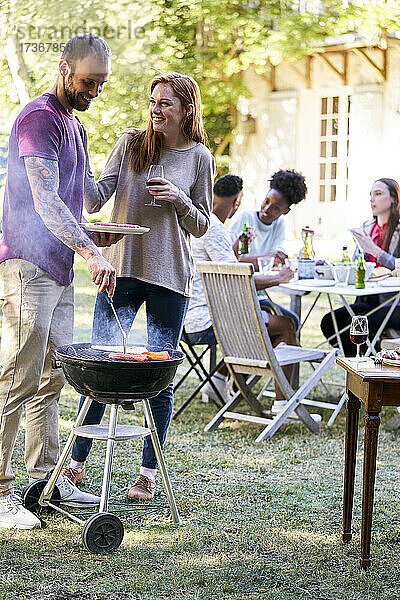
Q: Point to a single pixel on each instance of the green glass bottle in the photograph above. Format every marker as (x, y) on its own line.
(243, 247)
(360, 272)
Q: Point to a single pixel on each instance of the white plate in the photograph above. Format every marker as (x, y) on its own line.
(316, 282)
(124, 228)
(389, 282)
(391, 362)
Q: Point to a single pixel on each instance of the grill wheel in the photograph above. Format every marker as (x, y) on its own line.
(102, 533)
(31, 494)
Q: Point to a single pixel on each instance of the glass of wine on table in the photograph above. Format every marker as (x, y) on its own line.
(359, 334)
(156, 172)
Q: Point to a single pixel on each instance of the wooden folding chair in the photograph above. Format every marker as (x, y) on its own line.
(202, 364)
(247, 350)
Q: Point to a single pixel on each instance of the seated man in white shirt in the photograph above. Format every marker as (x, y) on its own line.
(216, 246)
(286, 188)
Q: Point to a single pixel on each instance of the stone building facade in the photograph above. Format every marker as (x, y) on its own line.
(334, 116)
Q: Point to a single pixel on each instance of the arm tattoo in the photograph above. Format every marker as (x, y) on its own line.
(43, 178)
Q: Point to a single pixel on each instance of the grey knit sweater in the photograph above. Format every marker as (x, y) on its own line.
(162, 256)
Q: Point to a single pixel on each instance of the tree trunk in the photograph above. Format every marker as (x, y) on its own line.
(18, 69)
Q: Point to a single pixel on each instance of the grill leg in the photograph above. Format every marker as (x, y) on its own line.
(48, 490)
(112, 426)
(161, 462)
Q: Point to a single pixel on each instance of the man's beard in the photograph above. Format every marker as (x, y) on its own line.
(75, 99)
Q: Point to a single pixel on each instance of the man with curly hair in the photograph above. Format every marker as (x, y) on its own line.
(286, 188)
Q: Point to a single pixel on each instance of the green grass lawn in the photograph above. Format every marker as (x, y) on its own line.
(258, 520)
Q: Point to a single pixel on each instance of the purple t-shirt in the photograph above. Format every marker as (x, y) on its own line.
(44, 129)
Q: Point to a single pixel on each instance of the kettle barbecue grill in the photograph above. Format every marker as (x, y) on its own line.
(119, 383)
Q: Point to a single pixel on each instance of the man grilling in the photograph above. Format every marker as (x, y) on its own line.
(48, 173)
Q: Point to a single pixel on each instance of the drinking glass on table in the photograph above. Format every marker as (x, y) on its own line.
(359, 333)
(293, 263)
(341, 274)
(156, 172)
(265, 264)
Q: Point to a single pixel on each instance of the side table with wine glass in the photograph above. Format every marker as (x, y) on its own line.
(373, 386)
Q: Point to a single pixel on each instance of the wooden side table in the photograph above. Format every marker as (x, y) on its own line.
(375, 387)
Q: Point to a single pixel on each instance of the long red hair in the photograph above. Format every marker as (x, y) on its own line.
(144, 146)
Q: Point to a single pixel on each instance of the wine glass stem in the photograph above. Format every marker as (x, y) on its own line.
(358, 351)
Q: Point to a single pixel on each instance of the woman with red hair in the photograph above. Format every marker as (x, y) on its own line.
(157, 268)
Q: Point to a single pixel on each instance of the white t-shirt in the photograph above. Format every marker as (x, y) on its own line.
(214, 246)
(269, 238)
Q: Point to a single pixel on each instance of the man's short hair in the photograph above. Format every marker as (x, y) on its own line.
(83, 44)
(290, 184)
(227, 186)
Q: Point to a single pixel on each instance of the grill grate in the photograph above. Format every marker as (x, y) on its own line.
(86, 352)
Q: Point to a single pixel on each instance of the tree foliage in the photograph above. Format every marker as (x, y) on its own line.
(212, 40)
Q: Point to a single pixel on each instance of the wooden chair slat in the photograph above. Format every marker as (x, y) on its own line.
(247, 349)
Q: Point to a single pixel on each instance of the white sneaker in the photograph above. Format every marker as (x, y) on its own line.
(71, 496)
(220, 383)
(15, 516)
(279, 405)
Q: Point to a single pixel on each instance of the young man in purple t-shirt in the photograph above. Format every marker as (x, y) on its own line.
(48, 172)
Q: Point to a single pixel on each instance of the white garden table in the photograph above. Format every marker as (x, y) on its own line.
(298, 288)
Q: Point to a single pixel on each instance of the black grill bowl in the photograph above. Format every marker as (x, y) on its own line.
(92, 373)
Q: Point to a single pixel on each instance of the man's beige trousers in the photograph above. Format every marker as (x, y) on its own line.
(38, 316)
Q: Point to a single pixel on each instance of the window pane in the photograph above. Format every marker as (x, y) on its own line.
(323, 127)
(334, 128)
(333, 148)
(322, 193)
(335, 104)
(324, 106)
(323, 149)
(333, 193)
(333, 170)
(322, 170)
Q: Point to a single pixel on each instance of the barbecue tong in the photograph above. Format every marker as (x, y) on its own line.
(124, 337)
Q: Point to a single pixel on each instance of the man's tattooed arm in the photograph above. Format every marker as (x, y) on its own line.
(43, 178)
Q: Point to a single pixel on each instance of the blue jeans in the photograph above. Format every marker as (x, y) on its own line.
(166, 312)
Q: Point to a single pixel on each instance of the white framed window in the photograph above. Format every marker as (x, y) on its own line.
(334, 147)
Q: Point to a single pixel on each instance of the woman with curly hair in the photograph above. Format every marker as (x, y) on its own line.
(155, 269)
(287, 187)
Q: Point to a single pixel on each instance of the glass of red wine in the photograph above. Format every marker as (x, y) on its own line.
(156, 172)
(359, 333)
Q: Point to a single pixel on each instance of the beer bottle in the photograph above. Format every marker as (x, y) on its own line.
(243, 247)
(360, 272)
(345, 256)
